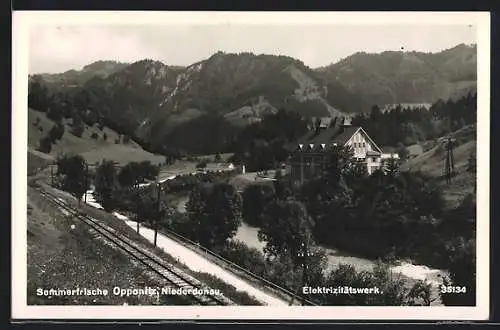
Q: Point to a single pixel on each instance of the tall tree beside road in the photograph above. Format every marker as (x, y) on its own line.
(105, 185)
(72, 169)
(215, 213)
(255, 199)
(285, 226)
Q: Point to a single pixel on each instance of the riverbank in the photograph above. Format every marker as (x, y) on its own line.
(249, 236)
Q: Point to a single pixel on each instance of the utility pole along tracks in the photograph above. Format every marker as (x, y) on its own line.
(173, 275)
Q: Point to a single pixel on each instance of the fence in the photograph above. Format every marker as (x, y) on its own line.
(191, 244)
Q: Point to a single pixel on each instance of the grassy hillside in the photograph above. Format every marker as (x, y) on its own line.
(432, 161)
(91, 149)
(37, 160)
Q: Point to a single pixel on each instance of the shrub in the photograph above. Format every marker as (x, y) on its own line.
(56, 132)
(94, 136)
(201, 165)
(78, 130)
(45, 145)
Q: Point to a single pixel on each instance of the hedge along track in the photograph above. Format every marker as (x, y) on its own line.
(173, 275)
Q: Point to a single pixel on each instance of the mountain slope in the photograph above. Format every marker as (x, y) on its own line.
(103, 146)
(73, 78)
(432, 162)
(166, 106)
(407, 77)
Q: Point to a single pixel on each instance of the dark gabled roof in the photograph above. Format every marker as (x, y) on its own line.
(330, 135)
(345, 135)
(333, 135)
(292, 146)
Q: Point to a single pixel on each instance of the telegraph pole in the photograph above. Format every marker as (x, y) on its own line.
(86, 181)
(158, 210)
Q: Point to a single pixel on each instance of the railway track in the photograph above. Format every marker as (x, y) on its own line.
(171, 274)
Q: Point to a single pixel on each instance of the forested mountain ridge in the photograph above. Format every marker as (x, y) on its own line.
(407, 77)
(201, 107)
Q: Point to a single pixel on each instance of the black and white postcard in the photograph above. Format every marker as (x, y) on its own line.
(231, 165)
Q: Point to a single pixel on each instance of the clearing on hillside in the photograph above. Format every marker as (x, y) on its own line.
(432, 162)
(92, 149)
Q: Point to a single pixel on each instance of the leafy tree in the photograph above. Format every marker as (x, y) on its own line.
(146, 205)
(402, 152)
(106, 184)
(130, 174)
(45, 145)
(214, 212)
(255, 199)
(281, 188)
(201, 165)
(420, 294)
(55, 112)
(392, 291)
(462, 267)
(471, 164)
(375, 113)
(392, 167)
(286, 225)
(38, 97)
(78, 130)
(56, 133)
(73, 170)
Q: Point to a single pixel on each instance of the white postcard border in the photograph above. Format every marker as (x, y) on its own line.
(23, 20)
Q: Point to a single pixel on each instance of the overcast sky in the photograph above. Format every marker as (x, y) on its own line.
(64, 47)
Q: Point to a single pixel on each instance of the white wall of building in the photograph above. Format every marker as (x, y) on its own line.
(360, 145)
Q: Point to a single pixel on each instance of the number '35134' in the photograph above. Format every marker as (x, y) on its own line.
(453, 289)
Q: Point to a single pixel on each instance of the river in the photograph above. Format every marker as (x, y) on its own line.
(249, 235)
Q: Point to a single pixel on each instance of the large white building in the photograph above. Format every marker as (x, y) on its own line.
(310, 153)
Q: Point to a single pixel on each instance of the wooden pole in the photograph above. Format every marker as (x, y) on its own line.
(159, 212)
(86, 181)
